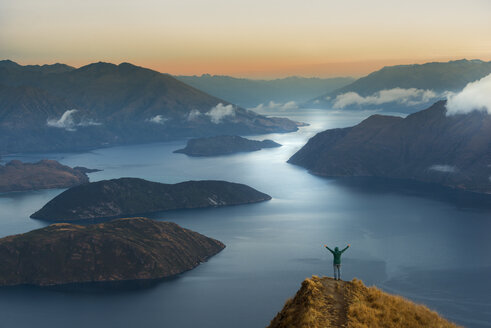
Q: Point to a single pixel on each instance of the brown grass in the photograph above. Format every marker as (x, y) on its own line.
(324, 303)
(371, 307)
(309, 307)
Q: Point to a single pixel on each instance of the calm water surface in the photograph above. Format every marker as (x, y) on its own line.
(429, 244)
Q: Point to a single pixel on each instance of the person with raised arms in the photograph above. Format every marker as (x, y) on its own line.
(337, 260)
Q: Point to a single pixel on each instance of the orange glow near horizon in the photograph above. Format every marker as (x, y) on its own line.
(258, 39)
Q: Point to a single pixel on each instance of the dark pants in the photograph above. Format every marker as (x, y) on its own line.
(337, 271)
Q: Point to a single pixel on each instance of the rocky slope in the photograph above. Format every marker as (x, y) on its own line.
(124, 249)
(223, 145)
(426, 146)
(131, 196)
(62, 108)
(45, 174)
(325, 303)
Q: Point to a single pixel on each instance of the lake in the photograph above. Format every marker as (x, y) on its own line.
(427, 243)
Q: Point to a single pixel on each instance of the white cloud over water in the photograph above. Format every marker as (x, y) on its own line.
(193, 115)
(409, 97)
(158, 119)
(67, 121)
(277, 106)
(475, 96)
(219, 112)
(443, 168)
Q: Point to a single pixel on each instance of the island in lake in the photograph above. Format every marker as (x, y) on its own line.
(45, 174)
(224, 145)
(132, 196)
(119, 250)
(427, 146)
(325, 302)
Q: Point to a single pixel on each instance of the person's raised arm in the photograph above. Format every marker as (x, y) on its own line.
(346, 248)
(330, 250)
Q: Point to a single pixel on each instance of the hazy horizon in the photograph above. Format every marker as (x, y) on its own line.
(266, 78)
(246, 39)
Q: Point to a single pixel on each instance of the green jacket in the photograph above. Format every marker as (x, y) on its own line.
(337, 254)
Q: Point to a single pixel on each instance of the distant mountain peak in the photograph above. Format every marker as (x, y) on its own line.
(98, 66)
(45, 68)
(8, 63)
(111, 100)
(404, 88)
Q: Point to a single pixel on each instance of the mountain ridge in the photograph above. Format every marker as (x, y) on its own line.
(427, 146)
(325, 302)
(254, 92)
(421, 84)
(107, 104)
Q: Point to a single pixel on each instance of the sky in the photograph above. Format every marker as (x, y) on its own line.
(252, 38)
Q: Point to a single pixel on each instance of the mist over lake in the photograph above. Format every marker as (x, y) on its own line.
(427, 243)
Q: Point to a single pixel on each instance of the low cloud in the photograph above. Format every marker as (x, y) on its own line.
(278, 106)
(194, 115)
(443, 168)
(67, 121)
(158, 119)
(475, 96)
(219, 112)
(86, 122)
(409, 97)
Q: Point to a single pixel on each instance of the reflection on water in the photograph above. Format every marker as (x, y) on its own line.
(460, 199)
(409, 238)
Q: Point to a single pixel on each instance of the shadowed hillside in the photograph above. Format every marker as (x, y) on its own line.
(45, 174)
(325, 302)
(132, 196)
(251, 93)
(410, 87)
(124, 249)
(427, 146)
(224, 145)
(58, 108)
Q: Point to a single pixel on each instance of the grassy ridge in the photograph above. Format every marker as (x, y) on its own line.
(324, 302)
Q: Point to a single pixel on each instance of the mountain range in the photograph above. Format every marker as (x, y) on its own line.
(282, 93)
(429, 146)
(404, 88)
(59, 108)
